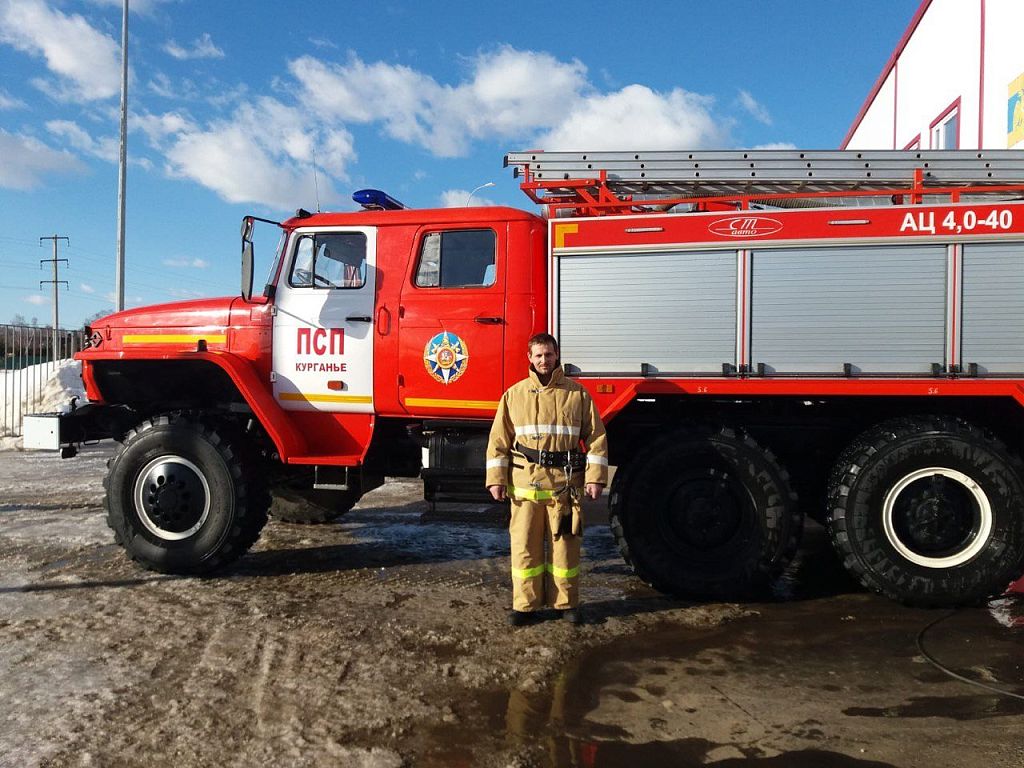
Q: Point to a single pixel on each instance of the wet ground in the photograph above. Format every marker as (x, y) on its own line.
(381, 641)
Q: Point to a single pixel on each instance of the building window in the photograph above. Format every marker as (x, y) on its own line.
(945, 129)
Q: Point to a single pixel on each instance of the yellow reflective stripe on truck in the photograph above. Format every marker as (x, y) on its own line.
(174, 338)
(309, 398)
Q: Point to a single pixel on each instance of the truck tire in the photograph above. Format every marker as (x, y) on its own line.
(309, 506)
(927, 511)
(705, 513)
(178, 498)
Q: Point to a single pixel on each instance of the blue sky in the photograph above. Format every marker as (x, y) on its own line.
(229, 102)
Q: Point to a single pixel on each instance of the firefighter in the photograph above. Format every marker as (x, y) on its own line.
(534, 459)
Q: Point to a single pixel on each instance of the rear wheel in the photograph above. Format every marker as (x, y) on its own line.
(927, 511)
(706, 513)
(178, 498)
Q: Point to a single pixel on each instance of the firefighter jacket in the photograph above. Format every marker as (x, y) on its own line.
(555, 417)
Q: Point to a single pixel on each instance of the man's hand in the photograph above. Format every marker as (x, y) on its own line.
(594, 490)
(497, 491)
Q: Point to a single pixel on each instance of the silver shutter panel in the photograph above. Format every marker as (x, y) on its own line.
(993, 307)
(674, 310)
(880, 308)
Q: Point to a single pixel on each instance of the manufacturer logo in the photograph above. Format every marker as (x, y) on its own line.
(745, 226)
(446, 357)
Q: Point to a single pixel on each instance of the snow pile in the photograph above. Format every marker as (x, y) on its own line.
(42, 388)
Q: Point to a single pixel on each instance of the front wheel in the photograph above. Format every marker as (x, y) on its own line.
(706, 513)
(178, 499)
(927, 511)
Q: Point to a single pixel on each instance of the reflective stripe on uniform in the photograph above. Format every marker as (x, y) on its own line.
(528, 573)
(593, 458)
(554, 570)
(536, 430)
(492, 463)
(563, 573)
(530, 494)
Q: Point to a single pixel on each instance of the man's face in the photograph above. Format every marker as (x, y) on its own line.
(543, 358)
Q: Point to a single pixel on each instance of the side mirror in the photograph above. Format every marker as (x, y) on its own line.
(247, 266)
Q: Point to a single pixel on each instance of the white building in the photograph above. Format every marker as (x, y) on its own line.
(955, 81)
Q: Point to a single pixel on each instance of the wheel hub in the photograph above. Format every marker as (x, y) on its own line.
(704, 512)
(937, 517)
(172, 497)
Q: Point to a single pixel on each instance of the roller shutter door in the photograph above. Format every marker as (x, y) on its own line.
(880, 308)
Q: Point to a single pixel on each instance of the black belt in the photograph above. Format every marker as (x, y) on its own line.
(575, 460)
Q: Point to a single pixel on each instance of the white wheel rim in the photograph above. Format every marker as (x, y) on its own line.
(140, 490)
(972, 548)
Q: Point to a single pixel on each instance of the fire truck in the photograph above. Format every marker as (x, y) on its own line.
(768, 335)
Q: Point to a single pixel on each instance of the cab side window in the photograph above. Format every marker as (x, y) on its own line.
(462, 258)
(330, 260)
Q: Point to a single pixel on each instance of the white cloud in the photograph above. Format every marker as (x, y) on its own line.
(183, 90)
(36, 299)
(10, 102)
(85, 60)
(86, 288)
(457, 198)
(142, 7)
(186, 263)
(158, 128)
(106, 148)
(186, 293)
(263, 154)
(756, 109)
(637, 118)
(776, 145)
(27, 160)
(511, 93)
(203, 47)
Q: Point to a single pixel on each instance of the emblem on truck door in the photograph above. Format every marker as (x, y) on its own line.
(446, 357)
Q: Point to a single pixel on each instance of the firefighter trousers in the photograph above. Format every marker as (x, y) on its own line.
(540, 579)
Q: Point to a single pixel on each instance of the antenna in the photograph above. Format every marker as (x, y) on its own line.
(316, 185)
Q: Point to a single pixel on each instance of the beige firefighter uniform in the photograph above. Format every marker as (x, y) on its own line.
(536, 418)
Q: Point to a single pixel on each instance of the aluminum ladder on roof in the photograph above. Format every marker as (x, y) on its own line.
(754, 172)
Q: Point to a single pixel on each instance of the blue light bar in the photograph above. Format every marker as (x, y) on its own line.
(375, 200)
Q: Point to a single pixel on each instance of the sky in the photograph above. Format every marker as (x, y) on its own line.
(264, 107)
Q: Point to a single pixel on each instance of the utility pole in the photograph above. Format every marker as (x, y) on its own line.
(56, 284)
(122, 168)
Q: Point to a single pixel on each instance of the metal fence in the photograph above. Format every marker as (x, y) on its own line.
(29, 356)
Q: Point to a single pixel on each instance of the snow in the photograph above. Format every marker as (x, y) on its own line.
(42, 388)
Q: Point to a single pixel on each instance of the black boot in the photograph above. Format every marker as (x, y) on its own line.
(573, 616)
(518, 618)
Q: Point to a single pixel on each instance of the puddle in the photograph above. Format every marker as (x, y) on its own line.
(822, 683)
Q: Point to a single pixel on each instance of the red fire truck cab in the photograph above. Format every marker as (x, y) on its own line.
(768, 336)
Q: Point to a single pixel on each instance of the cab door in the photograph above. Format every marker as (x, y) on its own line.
(323, 326)
(452, 322)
